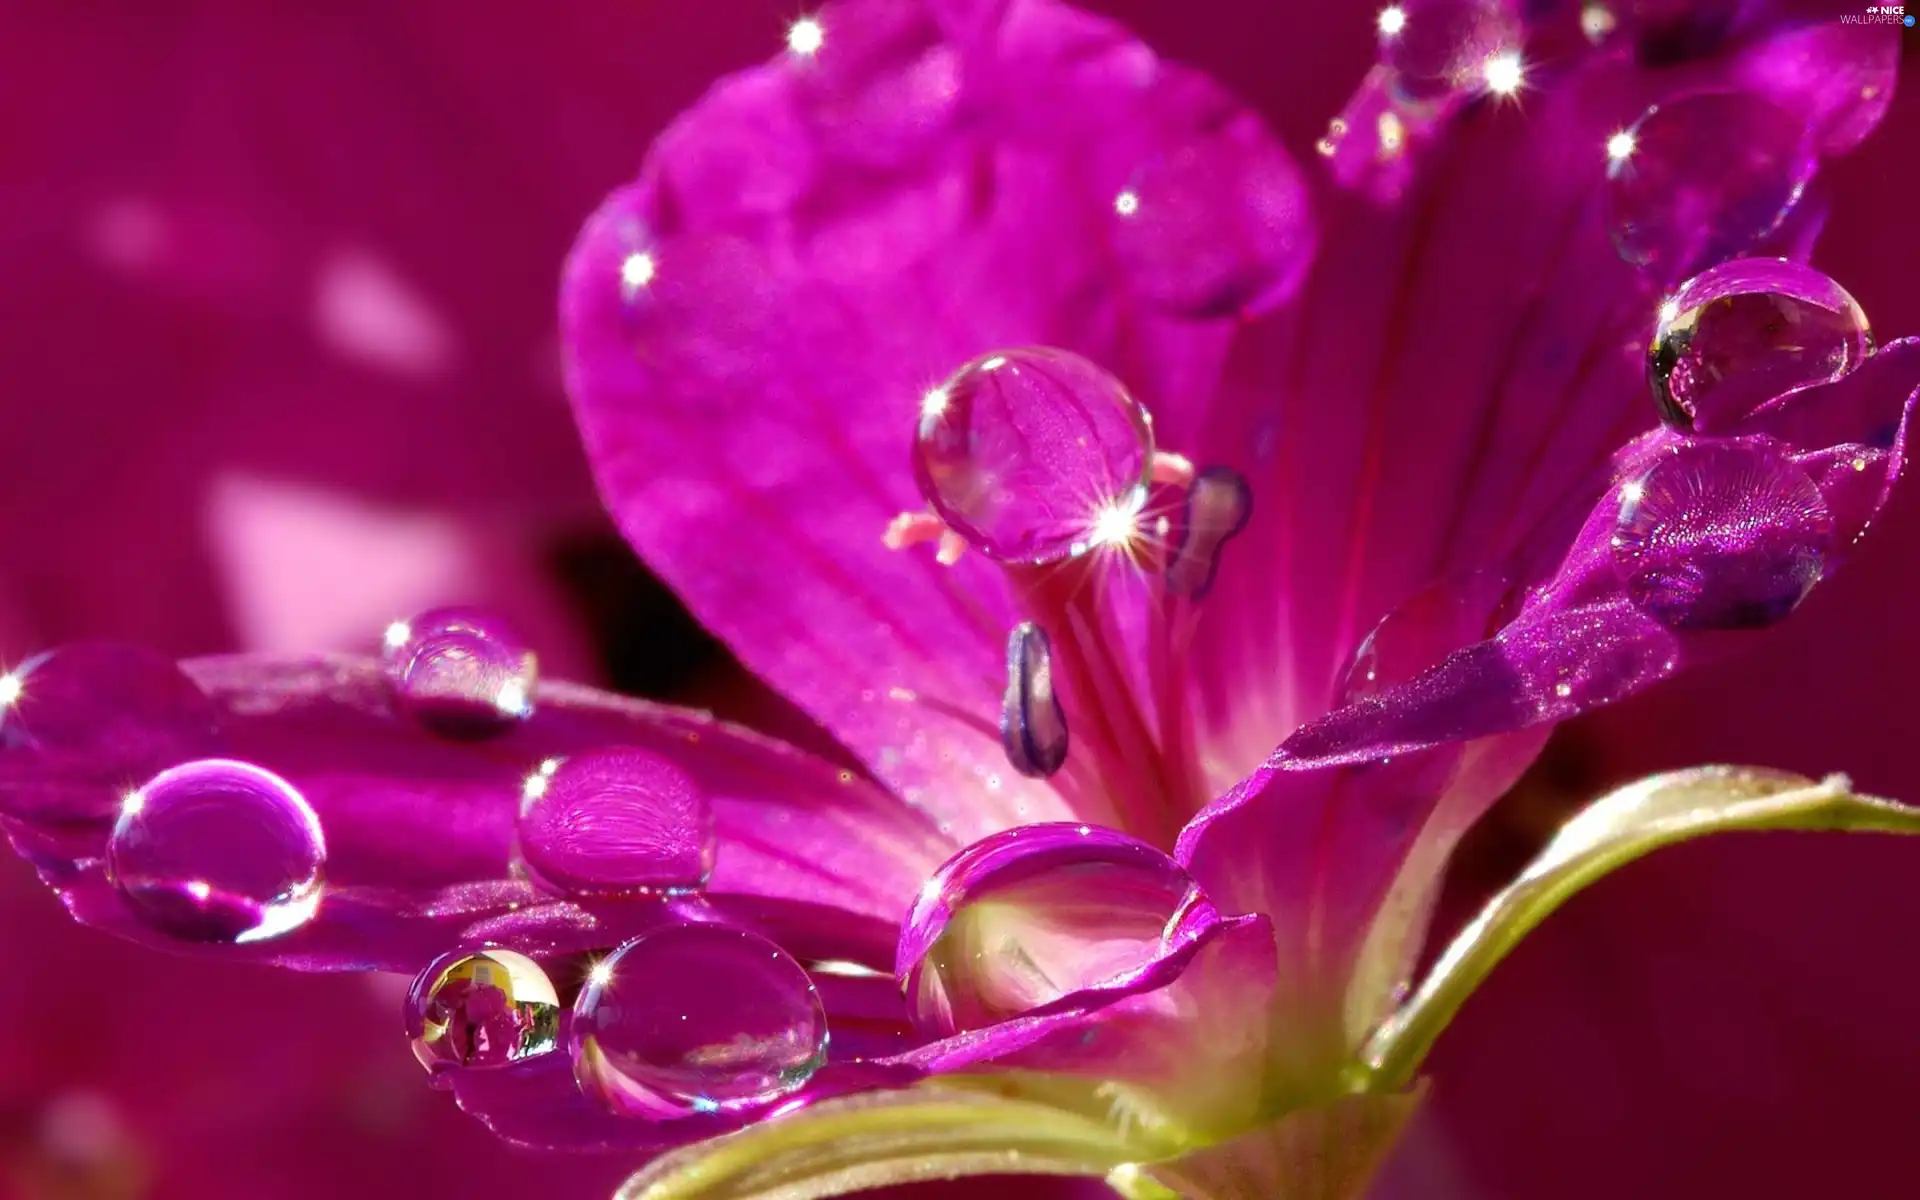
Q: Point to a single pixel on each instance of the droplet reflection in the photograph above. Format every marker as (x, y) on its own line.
(1027, 916)
(1739, 334)
(481, 1009)
(1719, 535)
(218, 851)
(696, 1018)
(1022, 451)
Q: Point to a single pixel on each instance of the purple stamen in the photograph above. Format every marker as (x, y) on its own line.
(1217, 507)
(1033, 726)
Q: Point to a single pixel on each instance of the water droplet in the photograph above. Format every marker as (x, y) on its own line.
(1025, 453)
(1443, 47)
(1424, 629)
(882, 90)
(480, 1009)
(1722, 535)
(460, 671)
(615, 820)
(1735, 336)
(1217, 228)
(218, 851)
(1033, 725)
(1709, 175)
(81, 725)
(1216, 507)
(1029, 915)
(696, 1018)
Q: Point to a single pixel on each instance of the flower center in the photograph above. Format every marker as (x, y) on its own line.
(1044, 463)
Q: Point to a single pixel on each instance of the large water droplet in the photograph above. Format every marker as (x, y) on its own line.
(616, 820)
(1216, 228)
(696, 1018)
(1424, 629)
(1722, 535)
(82, 724)
(1700, 179)
(218, 851)
(1029, 453)
(1438, 48)
(1027, 916)
(1735, 336)
(485, 1008)
(460, 671)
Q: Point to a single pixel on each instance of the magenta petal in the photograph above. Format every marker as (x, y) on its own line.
(1325, 826)
(1471, 338)
(419, 828)
(751, 326)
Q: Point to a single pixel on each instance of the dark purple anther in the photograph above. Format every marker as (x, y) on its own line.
(1033, 726)
(1217, 507)
(1722, 535)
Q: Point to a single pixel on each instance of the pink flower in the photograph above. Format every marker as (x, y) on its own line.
(1223, 411)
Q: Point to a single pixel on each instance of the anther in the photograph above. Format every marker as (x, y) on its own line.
(1033, 726)
(1217, 506)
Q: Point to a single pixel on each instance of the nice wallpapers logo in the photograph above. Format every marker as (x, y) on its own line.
(1895, 14)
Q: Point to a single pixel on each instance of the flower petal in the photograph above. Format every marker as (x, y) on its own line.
(747, 395)
(1129, 1079)
(1330, 1151)
(419, 827)
(880, 1138)
(1469, 331)
(1611, 832)
(1356, 844)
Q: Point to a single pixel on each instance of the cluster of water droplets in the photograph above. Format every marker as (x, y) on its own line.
(1718, 531)
(689, 1016)
(1729, 532)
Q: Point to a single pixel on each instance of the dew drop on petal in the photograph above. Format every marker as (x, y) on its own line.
(615, 820)
(1735, 336)
(1719, 535)
(1442, 47)
(82, 725)
(1029, 915)
(1424, 629)
(461, 672)
(218, 850)
(1708, 176)
(696, 1018)
(1022, 452)
(480, 1009)
(1216, 228)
